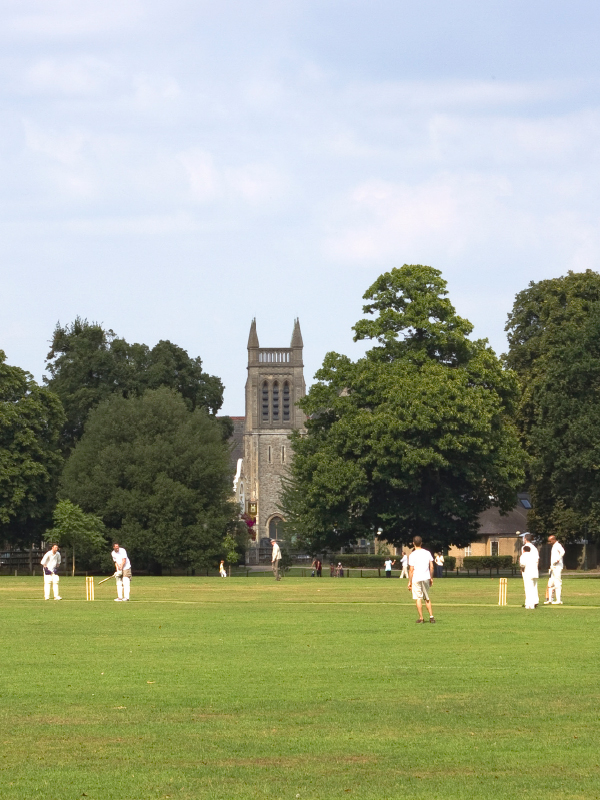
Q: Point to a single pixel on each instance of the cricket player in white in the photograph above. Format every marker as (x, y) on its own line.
(420, 577)
(556, 568)
(529, 568)
(51, 562)
(275, 559)
(404, 562)
(123, 573)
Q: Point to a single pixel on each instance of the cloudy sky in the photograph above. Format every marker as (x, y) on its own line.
(173, 169)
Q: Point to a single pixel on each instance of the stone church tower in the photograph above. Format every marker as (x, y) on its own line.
(274, 386)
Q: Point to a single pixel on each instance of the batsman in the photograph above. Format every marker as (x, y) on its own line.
(122, 574)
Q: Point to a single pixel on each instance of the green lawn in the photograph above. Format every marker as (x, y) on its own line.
(247, 688)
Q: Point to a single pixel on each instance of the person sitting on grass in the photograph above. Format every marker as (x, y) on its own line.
(420, 577)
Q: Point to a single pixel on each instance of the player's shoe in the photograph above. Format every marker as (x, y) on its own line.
(431, 619)
(58, 598)
(557, 602)
(418, 621)
(547, 602)
(118, 600)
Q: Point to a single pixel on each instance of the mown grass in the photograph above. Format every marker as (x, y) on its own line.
(244, 688)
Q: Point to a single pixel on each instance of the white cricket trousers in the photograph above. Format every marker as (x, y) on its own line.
(556, 581)
(404, 573)
(123, 587)
(532, 597)
(50, 580)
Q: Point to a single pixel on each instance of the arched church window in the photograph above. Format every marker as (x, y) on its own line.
(276, 528)
(275, 401)
(286, 401)
(265, 402)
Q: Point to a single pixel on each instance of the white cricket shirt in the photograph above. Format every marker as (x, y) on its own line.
(556, 556)
(118, 557)
(420, 559)
(51, 560)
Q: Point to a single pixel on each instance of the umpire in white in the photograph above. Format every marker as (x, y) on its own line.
(123, 573)
(51, 562)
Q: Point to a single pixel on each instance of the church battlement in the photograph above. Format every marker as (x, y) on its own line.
(266, 355)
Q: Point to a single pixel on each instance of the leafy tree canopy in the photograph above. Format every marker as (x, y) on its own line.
(31, 420)
(158, 475)
(84, 533)
(414, 438)
(554, 346)
(88, 363)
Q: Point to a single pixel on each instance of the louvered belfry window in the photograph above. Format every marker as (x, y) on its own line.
(275, 402)
(286, 402)
(265, 402)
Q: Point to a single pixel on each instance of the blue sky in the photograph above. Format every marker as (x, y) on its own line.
(174, 169)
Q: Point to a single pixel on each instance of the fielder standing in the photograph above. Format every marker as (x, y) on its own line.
(275, 559)
(420, 577)
(556, 568)
(51, 562)
(404, 562)
(122, 574)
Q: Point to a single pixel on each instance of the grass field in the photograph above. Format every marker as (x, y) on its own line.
(247, 688)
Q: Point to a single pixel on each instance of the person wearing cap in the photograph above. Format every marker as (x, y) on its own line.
(529, 569)
(556, 568)
(275, 559)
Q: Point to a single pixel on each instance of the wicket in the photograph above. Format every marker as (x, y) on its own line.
(89, 588)
(503, 590)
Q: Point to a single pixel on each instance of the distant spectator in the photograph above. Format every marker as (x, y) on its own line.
(439, 565)
(404, 562)
(319, 568)
(388, 567)
(331, 569)
(275, 559)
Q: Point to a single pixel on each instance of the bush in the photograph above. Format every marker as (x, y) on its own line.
(449, 563)
(354, 560)
(487, 562)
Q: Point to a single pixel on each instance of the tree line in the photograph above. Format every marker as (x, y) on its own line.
(121, 442)
(426, 430)
(430, 427)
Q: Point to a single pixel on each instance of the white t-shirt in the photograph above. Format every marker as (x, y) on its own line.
(118, 557)
(530, 562)
(439, 560)
(51, 560)
(276, 554)
(388, 565)
(404, 560)
(420, 559)
(556, 556)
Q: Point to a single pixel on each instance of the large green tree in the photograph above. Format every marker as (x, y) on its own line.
(31, 419)
(87, 364)
(414, 438)
(157, 473)
(83, 533)
(554, 346)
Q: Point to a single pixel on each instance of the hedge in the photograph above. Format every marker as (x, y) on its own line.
(487, 562)
(369, 561)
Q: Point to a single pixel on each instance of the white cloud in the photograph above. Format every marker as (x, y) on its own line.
(79, 76)
(51, 18)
